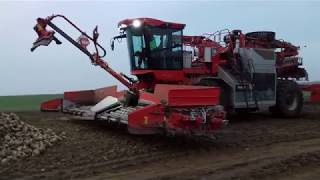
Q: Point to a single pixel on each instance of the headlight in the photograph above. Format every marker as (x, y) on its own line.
(136, 23)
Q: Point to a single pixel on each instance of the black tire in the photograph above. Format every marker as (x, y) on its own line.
(289, 99)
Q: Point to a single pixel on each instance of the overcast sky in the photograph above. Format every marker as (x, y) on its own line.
(61, 68)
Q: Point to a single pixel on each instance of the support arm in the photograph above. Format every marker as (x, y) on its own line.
(45, 38)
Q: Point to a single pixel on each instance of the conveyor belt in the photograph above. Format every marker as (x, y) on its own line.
(117, 114)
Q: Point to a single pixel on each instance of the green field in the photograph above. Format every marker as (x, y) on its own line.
(32, 102)
(24, 102)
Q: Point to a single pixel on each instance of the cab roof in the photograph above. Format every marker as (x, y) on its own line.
(151, 22)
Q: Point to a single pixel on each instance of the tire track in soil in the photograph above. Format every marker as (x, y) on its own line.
(259, 163)
(288, 168)
(93, 150)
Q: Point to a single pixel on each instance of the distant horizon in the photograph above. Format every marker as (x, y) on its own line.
(55, 69)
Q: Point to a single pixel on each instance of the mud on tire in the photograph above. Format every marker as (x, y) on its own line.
(289, 99)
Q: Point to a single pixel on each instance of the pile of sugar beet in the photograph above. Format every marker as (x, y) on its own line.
(19, 140)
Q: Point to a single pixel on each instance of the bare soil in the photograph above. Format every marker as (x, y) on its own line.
(258, 146)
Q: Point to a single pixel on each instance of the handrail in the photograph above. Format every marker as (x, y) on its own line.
(50, 18)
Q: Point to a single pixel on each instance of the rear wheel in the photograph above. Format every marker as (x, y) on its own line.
(289, 99)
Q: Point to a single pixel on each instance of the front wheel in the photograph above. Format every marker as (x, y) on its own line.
(289, 99)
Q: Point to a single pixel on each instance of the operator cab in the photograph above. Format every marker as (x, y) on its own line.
(153, 44)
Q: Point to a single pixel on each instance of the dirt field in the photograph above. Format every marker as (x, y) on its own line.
(256, 147)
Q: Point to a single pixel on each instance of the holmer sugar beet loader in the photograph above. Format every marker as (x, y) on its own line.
(185, 84)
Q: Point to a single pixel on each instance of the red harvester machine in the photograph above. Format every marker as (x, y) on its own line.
(185, 84)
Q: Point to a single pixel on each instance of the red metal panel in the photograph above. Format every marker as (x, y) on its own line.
(168, 76)
(101, 93)
(52, 105)
(149, 97)
(86, 97)
(315, 97)
(314, 89)
(146, 120)
(183, 95)
(194, 97)
(315, 93)
(162, 90)
(90, 97)
(162, 75)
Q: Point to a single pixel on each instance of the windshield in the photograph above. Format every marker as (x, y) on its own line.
(155, 48)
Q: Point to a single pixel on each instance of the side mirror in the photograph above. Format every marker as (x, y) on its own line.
(112, 44)
(116, 37)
